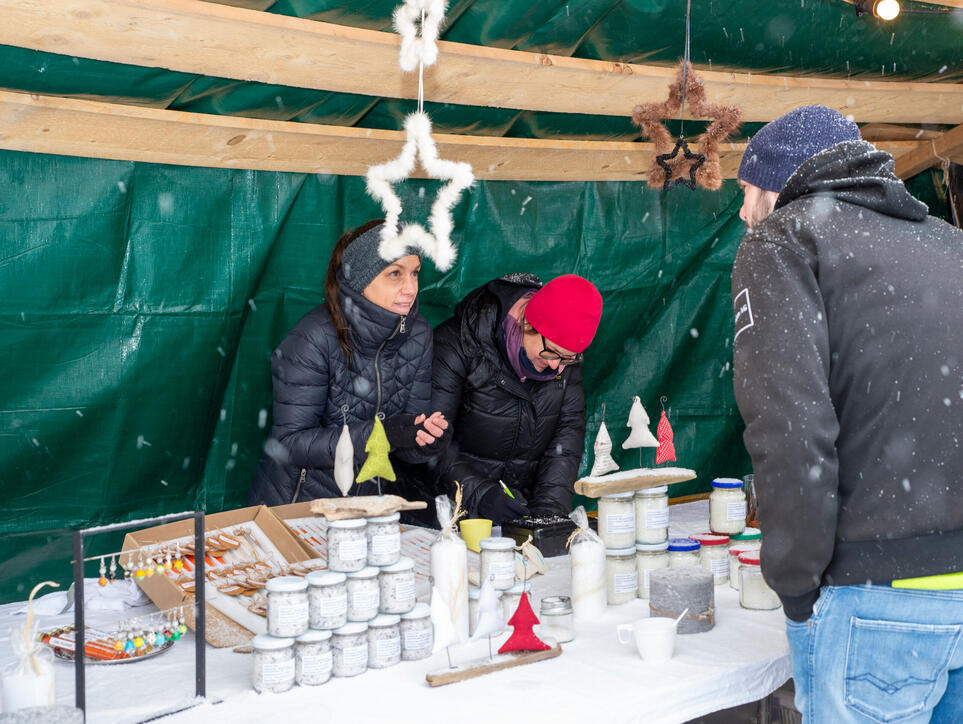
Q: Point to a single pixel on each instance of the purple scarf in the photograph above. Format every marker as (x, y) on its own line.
(513, 328)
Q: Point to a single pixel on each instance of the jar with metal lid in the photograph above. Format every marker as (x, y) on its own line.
(748, 535)
(714, 556)
(621, 575)
(364, 594)
(652, 515)
(349, 648)
(417, 633)
(683, 552)
(384, 641)
(312, 655)
(384, 539)
(511, 598)
(557, 620)
(327, 599)
(397, 583)
(617, 520)
(274, 667)
(347, 545)
(734, 553)
(498, 561)
(287, 606)
(754, 592)
(727, 506)
(649, 557)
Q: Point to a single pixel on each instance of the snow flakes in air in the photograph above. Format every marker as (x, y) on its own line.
(186, 464)
(262, 418)
(276, 450)
(122, 186)
(165, 202)
(906, 484)
(694, 333)
(220, 351)
(945, 370)
(947, 401)
(79, 413)
(252, 305)
(142, 442)
(164, 483)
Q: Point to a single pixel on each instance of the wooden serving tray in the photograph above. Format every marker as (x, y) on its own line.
(625, 481)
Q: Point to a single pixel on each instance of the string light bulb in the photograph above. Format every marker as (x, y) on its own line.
(886, 9)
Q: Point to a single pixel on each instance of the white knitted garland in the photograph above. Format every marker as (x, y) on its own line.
(436, 240)
(415, 49)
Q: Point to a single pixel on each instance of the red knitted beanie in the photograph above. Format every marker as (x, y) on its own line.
(566, 311)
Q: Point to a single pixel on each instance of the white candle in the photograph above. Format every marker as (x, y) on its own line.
(449, 573)
(588, 579)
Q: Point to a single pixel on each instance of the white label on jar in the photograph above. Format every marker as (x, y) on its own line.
(736, 511)
(405, 589)
(382, 545)
(503, 569)
(352, 656)
(334, 606)
(352, 550)
(388, 648)
(625, 582)
(281, 672)
(319, 665)
(620, 522)
(719, 567)
(657, 518)
(416, 640)
(290, 614)
(365, 600)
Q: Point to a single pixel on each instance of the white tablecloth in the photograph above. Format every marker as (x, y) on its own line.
(596, 679)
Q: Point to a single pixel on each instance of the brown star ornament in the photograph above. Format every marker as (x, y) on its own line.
(674, 165)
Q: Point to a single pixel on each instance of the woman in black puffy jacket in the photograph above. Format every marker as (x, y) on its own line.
(365, 352)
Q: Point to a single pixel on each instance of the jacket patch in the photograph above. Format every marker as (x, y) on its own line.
(743, 312)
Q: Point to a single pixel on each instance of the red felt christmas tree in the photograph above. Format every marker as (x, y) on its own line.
(666, 450)
(523, 638)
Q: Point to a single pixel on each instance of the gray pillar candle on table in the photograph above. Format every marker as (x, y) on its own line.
(673, 590)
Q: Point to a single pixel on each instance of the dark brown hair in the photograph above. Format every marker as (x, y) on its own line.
(331, 285)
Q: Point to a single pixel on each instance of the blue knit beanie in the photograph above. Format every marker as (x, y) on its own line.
(785, 144)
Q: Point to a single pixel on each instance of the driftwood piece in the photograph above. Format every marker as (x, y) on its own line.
(480, 667)
(363, 506)
(627, 480)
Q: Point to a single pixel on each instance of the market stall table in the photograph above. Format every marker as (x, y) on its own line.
(743, 659)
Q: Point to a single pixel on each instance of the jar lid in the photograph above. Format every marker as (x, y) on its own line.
(747, 534)
(683, 544)
(313, 636)
(620, 495)
(740, 549)
(349, 523)
(421, 610)
(497, 544)
(620, 551)
(660, 490)
(556, 604)
(516, 589)
(652, 546)
(403, 564)
(749, 558)
(350, 629)
(325, 578)
(727, 483)
(286, 584)
(366, 572)
(392, 518)
(711, 539)
(266, 642)
(384, 619)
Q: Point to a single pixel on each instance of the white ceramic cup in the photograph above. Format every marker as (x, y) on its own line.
(654, 637)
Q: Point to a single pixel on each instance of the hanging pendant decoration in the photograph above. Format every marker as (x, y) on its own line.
(666, 449)
(378, 465)
(638, 422)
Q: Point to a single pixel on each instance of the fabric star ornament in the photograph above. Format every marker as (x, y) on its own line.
(418, 49)
(523, 638)
(666, 450)
(377, 465)
(725, 121)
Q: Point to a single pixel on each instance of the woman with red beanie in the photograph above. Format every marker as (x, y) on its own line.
(506, 374)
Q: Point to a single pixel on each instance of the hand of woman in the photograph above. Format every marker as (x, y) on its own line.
(433, 428)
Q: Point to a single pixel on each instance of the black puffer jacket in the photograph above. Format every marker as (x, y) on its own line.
(528, 434)
(390, 370)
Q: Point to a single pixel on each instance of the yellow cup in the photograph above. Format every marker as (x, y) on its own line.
(473, 530)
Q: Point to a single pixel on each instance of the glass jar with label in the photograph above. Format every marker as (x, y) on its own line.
(498, 561)
(617, 520)
(287, 606)
(364, 594)
(511, 598)
(384, 641)
(312, 655)
(734, 553)
(649, 557)
(727, 506)
(384, 540)
(556, 619)
(327, 599)
(274, 667)
(621, 575)
(652, 515)
(397, 583)
(748, 535)
(417, 633)
(714, 556)
(683, 552)
(349, 648)
(347, 545)
(754, 592)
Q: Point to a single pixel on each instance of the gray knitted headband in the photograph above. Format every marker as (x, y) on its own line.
(361, 261)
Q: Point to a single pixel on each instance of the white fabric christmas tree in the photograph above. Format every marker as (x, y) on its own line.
(491, 618)
(603, 462)
(640, 436)
(344, 462)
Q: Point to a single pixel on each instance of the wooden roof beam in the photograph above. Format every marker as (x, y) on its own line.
(929, 153)
(231, 42)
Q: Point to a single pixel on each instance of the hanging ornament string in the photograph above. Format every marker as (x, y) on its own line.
(685, 66)
(421, 74)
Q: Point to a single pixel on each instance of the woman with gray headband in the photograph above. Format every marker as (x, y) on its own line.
(365, 352)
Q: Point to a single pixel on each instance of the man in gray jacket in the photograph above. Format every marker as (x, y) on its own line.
(848, 353)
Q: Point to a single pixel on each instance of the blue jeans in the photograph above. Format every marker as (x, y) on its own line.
(879, 654)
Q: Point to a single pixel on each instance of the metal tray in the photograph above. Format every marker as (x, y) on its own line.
(64, 655)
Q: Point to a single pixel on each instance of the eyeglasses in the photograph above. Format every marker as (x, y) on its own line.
(552, 355)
